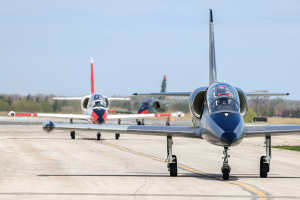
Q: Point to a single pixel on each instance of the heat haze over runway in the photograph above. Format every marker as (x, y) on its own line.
(37, 165)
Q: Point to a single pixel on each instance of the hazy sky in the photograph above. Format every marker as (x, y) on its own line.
(45, 45)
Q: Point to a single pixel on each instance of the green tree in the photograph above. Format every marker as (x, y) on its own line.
(9, 100)
(249, 116)
(4, 106)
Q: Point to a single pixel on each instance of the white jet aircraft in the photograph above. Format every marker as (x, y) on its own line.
(95, 110)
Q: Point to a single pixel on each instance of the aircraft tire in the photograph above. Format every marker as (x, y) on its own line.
(139, 123)
(73, 135)
(98, 136)
(167, 124)
(264, 168)
(225, 174)
(173, 167)
(117, 136)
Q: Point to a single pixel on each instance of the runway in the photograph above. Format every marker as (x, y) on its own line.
(36, 165)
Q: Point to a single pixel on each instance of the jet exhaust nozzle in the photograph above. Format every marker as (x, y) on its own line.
(48, 126)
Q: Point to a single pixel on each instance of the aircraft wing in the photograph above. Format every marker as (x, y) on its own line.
(139, 116)
(177, 131)
(67, 98)
(261, 131)
(178, 94)
(251, 94)
(187, 94)
(50, 115)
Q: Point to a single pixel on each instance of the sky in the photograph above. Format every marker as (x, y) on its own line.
(46, 45)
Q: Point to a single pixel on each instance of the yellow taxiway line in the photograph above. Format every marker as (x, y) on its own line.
(248, 187)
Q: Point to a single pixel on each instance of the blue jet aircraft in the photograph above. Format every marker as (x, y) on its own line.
(217, 114)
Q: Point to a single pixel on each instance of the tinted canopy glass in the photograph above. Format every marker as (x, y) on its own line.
(98, 100)
(222, 97)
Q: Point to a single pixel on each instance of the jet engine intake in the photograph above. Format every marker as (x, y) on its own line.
(197, 99)
(107, 103)
(85, 102)
(160, 105)
(243, 101)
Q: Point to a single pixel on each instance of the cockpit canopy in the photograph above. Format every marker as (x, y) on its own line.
(97, 101)
(146, 104)
(222, 97)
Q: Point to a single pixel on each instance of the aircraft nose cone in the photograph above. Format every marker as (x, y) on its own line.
(100, 121)
(229, 137)
(99, 116)
(143, 111)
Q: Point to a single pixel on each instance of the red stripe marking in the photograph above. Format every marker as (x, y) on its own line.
(92, 79)
(94, 117)
(111, 111)
(145, 112)
(162, 115)
(27, 114)
(104, 116)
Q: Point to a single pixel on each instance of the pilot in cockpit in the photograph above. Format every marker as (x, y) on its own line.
(98, 101)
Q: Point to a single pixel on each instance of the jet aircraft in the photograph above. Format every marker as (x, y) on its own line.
(217, 115)
(151, 105)
(95, 109)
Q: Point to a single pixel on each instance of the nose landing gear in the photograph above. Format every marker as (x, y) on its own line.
(171, 159)
(225, 168)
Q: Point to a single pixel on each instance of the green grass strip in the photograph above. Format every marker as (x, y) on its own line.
(293, 148)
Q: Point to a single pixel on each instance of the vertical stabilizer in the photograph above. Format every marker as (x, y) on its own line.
(163, 87)
(92, 77)
(212, 53)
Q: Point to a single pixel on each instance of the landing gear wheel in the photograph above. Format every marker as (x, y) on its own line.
(264, 168)
(167, 124)
(98, 136)
(225, 174)
(139, 123)
(173, 166)
(72, 135)
(117, 136)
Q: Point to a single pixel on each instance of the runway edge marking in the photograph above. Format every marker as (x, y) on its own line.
(248, 187)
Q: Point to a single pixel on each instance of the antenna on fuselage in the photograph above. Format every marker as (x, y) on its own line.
(212, 53)
(92, 77)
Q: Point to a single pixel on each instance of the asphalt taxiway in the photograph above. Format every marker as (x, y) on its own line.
(36, 165)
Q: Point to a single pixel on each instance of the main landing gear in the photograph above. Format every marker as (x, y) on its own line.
(225, 168)
(72, 133)
(171, 159)
(118, 134)
(265, 160)
(140, 122)
(168, 121)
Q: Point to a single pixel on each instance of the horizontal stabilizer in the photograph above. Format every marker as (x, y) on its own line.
(252, 94)
(178, 94)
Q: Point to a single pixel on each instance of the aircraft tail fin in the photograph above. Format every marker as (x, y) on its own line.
(212, 54)
(163, 87)
(92, 77)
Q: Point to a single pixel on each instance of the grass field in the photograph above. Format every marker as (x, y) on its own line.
(272, 120)
(293, 148)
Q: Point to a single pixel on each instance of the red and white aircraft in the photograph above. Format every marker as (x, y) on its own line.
(95, 109)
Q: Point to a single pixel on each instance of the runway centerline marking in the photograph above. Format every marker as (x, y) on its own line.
(248, 187)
